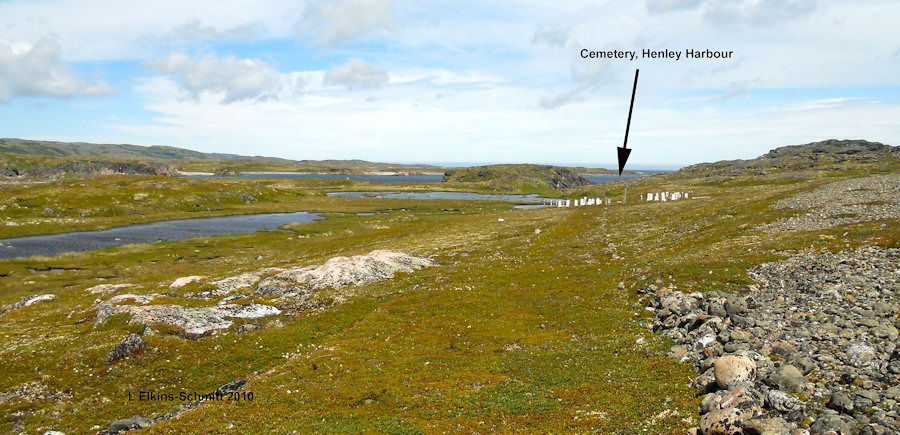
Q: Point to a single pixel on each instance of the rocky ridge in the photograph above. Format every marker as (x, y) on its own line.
(796, 161)
(846, 149)
(91, 167)
(811, 349)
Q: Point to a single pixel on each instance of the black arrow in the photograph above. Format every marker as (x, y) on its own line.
(623, 150)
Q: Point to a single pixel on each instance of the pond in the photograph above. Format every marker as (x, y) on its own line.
(79, 241)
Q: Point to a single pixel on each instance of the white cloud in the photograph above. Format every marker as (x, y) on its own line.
(340, 21)
(356, 74)
(195, 29)
(736, 89)
(827, 103)
(553, 36)
(758, 12)
(233, 78)
(585, 77)
(136, 29)
(39, 71)
(662, 6)
(500, 125)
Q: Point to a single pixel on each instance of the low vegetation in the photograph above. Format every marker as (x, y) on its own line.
(529, 322)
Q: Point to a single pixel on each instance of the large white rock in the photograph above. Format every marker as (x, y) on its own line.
(105, 289)
(342, 271)
(185, 280)
(33, 299)
(730, 370)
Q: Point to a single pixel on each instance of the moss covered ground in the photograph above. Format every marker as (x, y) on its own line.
(515, 330)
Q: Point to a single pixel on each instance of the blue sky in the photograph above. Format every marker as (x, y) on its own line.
(450, 81)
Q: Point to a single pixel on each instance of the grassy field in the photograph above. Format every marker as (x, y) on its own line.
(515, 330)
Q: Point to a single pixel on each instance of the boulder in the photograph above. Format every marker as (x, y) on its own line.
(841, 401)
(232, 283)
(833, 423)
(106, 289)
(859, 354)
(766, 426)
(127, 348)
(677, 303)
(782, 402)
(804, 363)
(863, 400)
(127, 424)
(185, 280)
(722, 422)
(33, 299)
(740, 397)
(729, 370)
(248, 327)
(677, 352)
(736, 305)
(716, 307)
(787, 378)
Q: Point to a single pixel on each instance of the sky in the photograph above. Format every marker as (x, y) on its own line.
(422, 81)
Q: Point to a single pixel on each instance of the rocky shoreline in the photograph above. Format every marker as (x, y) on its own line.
(812, 348)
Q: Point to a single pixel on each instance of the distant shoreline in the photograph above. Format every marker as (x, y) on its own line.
(373, 173)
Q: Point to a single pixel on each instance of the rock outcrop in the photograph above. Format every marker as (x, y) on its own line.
(185, 280)
(847, 149)
(106, 289)
(300, 281)
(342, 271)
(193, 320)
(33, 299)
(814, 343)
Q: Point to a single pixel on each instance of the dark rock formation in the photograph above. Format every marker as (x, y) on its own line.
(99, 166)
(127, 348)
(844, 148)
(563, 178)
(512, 175)
(127, 424)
